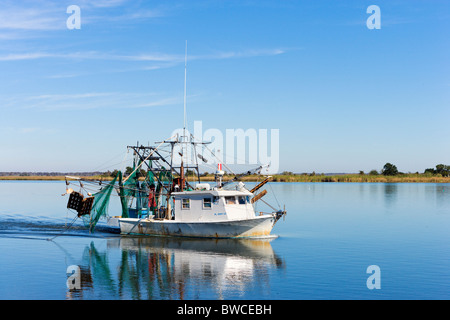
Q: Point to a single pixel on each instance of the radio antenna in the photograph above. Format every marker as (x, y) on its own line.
(185, 67)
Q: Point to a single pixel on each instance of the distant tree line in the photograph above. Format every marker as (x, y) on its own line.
(49, 174)
(441, 169)
(390, 169)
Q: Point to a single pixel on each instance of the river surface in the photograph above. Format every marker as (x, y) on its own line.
(338, 241)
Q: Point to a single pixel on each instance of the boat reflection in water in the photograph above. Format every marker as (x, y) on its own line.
(170, 268)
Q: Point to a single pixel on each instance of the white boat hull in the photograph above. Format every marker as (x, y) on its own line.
(259, 226)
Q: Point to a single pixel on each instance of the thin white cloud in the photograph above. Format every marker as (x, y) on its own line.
(150, 57)
(70, 96)
(162, 57)
(89, 100)
(25, 56)
(112, 70)
(102, 3)
(132, 16)
(91, 55)
(27, 130)
(47, 15)
(159, 103)
(65, 75)
(12, 35)
(240, 54)
(31, 15)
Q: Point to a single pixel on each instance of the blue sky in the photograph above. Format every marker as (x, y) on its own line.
(345, 98)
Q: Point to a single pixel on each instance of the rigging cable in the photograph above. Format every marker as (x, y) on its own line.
(217, 158)
(148, 157)
(274, 195)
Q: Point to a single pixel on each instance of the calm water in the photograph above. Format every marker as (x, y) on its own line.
(332, 233)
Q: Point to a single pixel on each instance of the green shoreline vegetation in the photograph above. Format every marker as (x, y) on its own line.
(389, 174)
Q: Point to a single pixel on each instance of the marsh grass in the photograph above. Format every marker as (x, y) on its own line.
(362, 178)
(411, 178)
(347, 178)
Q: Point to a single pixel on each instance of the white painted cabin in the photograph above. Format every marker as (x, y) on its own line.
(213, 205)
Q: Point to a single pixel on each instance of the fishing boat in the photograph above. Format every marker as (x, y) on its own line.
(200, 210)
(158, 199)
(163, 197)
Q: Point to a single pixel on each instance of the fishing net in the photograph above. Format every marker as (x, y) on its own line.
(135, 190)
(127, 191)
(100, 205)
(165, 182)
(132, 189)
(146, 195)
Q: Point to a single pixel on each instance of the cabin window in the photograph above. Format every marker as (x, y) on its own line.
(206, 203)
(241, 200)
(230, 200)
(216, 200)
(185, 203)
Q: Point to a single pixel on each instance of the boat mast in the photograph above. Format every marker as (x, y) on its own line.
(185, 118)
